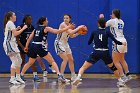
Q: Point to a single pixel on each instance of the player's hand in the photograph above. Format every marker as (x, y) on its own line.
(101, 16)
(24, 27)
(71, 26)
(18, 28)
(26, 49)
(49, 28)
(124, 43)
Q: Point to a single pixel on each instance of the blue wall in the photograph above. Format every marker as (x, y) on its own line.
(83, 12)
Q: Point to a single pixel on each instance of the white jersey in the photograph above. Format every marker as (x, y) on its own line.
(61, 42)
(10, 44)
(116, 27)
(64, 36)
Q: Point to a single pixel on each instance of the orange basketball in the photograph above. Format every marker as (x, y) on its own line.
(83, 30)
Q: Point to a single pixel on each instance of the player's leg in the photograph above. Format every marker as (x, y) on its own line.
(13, 71)
(71, 66)
(64, 62)
(81, 71)
(125, 65)
(50, 59)
(27, 65)
(34, 69)
(92, 59)
(16, 62)
(23, 58)
(116, 60)
(42, 65)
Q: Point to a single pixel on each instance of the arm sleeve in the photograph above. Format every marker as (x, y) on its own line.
(91, 38)
(112, 37)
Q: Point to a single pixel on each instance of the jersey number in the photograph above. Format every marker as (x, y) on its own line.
(37, 32)
(101, 37)
(120, 26)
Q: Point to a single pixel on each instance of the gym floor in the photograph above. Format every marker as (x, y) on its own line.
(88, 85)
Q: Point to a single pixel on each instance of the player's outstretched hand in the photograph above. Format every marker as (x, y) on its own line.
(101, 16)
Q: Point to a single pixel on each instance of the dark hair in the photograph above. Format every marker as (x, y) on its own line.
(117, 13)
(41, 20)
(68, 16)
(25, 18)
(7, 17)
(102, 22)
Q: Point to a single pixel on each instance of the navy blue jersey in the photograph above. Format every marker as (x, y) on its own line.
(100, 38)
(25, 34)
(39, 35)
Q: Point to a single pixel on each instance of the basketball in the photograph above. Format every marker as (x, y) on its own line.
(83, 30)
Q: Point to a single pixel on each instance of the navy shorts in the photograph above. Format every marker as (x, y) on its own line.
(97, 55)
(37, 50)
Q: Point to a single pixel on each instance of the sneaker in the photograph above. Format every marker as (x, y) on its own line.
(76, 81)
(22, 77)
(129, 77)
(45, 79)
(20, 80)
(121, 83)
(124, 78)
(14, 82)
(36, 79)
(52, 69)
(61, 79)
(45, 73)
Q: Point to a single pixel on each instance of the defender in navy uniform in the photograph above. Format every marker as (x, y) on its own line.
(39, 45)
(101, 51)
(22, 39)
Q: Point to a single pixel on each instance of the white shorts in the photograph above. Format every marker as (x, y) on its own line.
(10, 47)
(62, 47)
(120, 48)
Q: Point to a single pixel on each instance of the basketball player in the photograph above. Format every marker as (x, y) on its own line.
(62, 46)
(22, 39)
(11, 47)
(39, 46)
(101, 51)
(118, 53)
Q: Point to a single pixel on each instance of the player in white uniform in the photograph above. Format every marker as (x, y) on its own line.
(62, 46)
(11, 47)
(118, 53)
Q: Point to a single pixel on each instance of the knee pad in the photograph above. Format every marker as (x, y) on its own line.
(16, 60)
(113, 68)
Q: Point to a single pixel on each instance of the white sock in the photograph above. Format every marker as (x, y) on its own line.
(17, 75)
(21, 74)
(79, 76)
(72, 74)
(34, 73)
(12, 77)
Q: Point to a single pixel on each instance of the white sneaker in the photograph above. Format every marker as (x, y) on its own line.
(124, 78)
(129, 77)
(74, 77)
(20, 80)
(45, 73)
(13, 81)
(76, 81)
(67, 80)
(121, 83)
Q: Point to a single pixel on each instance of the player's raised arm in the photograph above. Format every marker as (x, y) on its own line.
(91, 38)
(28, 41)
